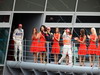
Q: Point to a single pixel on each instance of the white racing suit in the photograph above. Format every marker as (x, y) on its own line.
(66, 49)
(18, 43)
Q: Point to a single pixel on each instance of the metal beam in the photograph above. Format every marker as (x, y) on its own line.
(53, 67)
(25, 72)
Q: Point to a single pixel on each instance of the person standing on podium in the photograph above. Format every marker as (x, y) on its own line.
(18, 35)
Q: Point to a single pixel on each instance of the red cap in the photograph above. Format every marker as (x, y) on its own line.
(20, 25)
(67, 30)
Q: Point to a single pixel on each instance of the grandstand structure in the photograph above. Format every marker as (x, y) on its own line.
(74, 14)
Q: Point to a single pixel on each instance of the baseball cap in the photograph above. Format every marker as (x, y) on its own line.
(67, 30)
(20, 25)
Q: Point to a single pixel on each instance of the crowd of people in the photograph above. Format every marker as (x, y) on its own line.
(40, 39)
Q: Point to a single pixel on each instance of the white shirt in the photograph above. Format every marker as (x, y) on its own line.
(18, 34)
(66, 38)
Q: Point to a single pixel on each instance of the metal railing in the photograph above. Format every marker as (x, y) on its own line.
(27, 55)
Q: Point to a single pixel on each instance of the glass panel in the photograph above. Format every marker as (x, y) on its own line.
(6, 5)
(89, 5)
(30, 5)
(61, 5)
(88, 19)
(3, 43)
(58, 19)
(4, 18)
